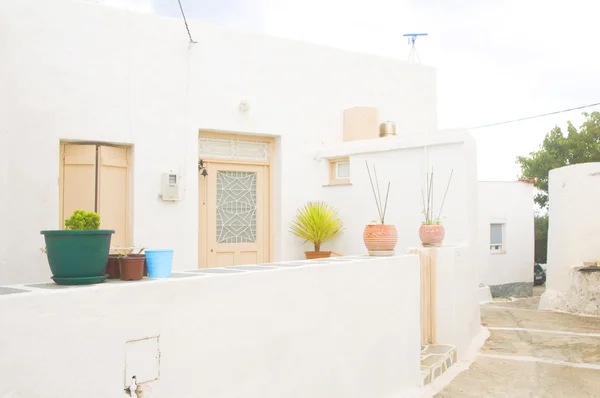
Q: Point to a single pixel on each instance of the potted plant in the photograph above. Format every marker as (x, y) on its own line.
(113, 267)
(432, 231)
(380, 238)
(78, 254)
(317, 222)
(131, 266)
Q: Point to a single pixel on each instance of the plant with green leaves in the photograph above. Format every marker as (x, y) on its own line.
(82, 220)
(317, 222)
(558, 150)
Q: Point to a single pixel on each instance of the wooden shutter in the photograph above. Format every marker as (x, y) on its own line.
(78, 190)
(113, 193)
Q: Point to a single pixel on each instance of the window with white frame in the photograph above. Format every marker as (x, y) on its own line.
(342, 170)
(339, 171)
(497, 244)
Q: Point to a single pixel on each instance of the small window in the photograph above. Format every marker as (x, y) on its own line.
(342, 170)
(497, 238)
(339, 171)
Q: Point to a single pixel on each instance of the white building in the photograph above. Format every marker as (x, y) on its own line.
(132, 87)
(100, 105)
(506, 231)
(573, 237)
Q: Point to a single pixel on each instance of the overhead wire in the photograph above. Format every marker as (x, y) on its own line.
(185, 21)
(535, 117)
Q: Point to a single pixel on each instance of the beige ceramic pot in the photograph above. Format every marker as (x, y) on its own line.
(431, 235)
(380, 238)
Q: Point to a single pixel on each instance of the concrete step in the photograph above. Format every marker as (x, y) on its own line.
(435, 360)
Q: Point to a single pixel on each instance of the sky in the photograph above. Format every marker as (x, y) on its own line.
(496, 60)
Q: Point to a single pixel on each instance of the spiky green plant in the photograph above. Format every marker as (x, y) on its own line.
(317, 222)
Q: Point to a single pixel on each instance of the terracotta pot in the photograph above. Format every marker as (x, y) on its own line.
(145, 262)
(380, 237)
(132, 267)
(313, 255)
(112, 267)
(431, 235)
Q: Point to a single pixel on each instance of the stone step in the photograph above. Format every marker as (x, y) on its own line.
(435, 360)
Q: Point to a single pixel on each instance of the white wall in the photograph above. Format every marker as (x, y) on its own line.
(510, 203)
(404, 162)
(458, 319)
(79, 71)
(573, 233)
(323, 330)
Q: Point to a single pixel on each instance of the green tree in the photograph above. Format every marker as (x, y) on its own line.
(541, 239)
(558, 150)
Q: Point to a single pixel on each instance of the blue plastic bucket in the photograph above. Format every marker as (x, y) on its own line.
(159, 263)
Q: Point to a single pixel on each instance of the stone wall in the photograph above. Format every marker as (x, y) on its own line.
(583, 296)
(516, 289)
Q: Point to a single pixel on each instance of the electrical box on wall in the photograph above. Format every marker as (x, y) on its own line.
(170, 186)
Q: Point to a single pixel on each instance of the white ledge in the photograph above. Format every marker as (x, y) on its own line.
(181, 275)
(344, 149)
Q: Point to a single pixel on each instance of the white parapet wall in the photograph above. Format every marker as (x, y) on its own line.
(458, 319)
(345, 327)
(573, 235)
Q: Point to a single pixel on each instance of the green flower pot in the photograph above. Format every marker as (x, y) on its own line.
(78, 257)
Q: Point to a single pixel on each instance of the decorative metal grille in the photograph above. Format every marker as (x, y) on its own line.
(233, 149)
(236, 207)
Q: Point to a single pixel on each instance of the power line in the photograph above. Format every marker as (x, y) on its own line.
(534, 117)
(185, 21)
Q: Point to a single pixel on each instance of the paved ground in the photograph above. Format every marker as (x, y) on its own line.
(532, 354)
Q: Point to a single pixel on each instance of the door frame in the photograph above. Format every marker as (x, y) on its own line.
(268, 193)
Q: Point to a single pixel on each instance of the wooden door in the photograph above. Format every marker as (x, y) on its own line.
(234, 216)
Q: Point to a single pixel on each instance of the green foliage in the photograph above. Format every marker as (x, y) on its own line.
(82, 220)
(316, 222)
(558, 150)
(541, 239)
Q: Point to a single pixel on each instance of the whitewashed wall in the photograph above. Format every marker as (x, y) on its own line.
(458, 319)
(344, 329)
(79, 71)
(404, 161)
(510, 203)
(573, 233)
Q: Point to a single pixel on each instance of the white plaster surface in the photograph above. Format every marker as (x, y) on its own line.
(485, 296)
(344, 329)
(458, 319)
(510, 203)
(404, 163)
(573, 232)
(83, 72)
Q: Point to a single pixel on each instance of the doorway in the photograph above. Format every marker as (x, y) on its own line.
(234, 180)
